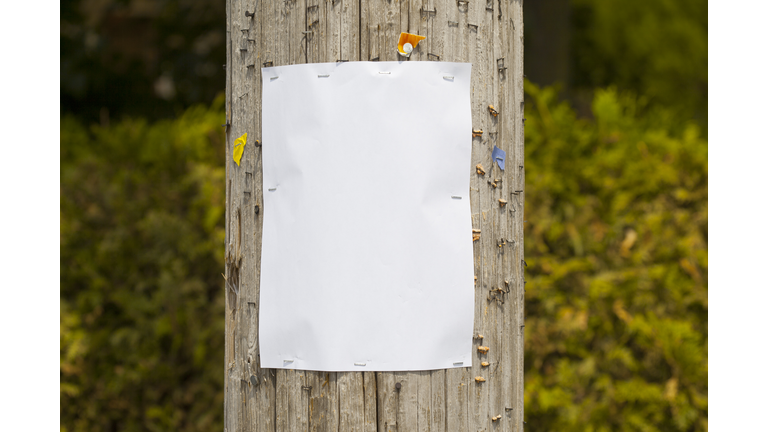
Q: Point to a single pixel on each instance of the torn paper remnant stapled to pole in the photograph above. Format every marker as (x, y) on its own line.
(237, 148)
(366, 263)
(499, 156)
(408, 43)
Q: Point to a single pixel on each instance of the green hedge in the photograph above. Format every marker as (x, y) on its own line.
(616, 243)
(142, 304)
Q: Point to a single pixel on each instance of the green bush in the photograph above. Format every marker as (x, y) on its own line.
(142, 305)
(616, 242)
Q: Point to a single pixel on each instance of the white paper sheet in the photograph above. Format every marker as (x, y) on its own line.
(366, 258)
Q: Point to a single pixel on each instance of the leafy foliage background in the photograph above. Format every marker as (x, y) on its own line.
(616, 204)
(616, 242)
(142, 328)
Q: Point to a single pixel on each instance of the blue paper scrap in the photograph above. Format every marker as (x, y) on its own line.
(499, 156)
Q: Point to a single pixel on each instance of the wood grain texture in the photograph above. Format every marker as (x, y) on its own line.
(369, 393)
(487, 33)
(351, 401)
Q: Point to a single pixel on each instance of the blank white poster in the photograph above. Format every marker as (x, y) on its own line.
(366, 258)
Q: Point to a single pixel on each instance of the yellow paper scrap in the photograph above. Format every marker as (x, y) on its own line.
(407, 43)
(237, 151)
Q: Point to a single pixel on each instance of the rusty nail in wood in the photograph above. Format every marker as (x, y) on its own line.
(398, 386)
(250, 14)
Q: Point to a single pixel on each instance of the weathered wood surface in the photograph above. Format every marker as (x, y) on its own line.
(487, 33)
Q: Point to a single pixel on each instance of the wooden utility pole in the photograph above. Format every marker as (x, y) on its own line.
(487, 33)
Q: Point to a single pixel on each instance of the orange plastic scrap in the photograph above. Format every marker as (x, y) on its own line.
(407, 43)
